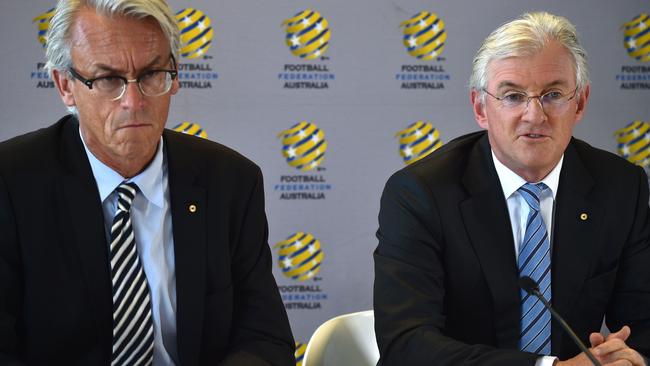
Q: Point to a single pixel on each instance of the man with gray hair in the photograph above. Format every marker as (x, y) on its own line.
(458, 229)
(123, 243)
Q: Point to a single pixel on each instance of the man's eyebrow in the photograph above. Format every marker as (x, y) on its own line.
(557, 83)
(108, 68)
(103, 67)
(510, 84)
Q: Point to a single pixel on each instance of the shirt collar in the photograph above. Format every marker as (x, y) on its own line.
(149, 181)
(510, 181)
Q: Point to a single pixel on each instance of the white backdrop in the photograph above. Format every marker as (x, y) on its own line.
(247, 88)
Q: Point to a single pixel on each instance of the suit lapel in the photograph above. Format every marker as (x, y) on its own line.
(486, 218)
(81, 196)
(487, 221)
(575, 230)
(189, 209)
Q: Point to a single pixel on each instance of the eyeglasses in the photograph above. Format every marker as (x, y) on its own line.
(553, 102)
(151, 83)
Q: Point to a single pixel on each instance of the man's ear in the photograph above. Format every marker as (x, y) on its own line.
(478, 106)
(582, 100)
(64, 86)
(175, 86)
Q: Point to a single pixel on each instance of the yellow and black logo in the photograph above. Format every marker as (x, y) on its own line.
(424, 35)
(418, 140)
(43, 24)
(634, 143)
(300, 352)
(308, 34)
(191, 128)
(303, 145)
(196, 32)
(300, 256)
(636, 37)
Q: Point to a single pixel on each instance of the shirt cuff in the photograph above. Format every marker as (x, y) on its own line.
(545, 361)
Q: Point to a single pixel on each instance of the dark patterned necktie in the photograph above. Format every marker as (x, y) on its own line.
(132, 323)
(535, 262)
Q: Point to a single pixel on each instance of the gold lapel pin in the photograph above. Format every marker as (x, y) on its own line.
(192, 208)
(584, 216)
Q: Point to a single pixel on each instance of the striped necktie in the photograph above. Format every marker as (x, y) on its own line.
(534, 261)
(132, 323)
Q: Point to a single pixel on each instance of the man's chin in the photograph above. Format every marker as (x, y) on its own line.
(137, 134)
(136, 148)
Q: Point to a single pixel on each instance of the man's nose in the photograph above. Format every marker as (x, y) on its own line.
(132, 97)
(534, 111)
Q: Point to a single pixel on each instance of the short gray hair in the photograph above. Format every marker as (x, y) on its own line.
(527, 36)
(58, 36)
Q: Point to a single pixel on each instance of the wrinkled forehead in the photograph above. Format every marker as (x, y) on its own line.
(116, 39)
(91, 26)
(551, 64)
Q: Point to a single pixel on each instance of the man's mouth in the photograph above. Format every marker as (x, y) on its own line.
(132, 125)
(533, 135)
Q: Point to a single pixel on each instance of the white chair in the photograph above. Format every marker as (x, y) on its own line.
(344, 340)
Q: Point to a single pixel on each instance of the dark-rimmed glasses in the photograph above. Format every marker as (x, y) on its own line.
(151, 83)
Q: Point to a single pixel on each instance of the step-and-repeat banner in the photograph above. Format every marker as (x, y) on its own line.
(331, 97)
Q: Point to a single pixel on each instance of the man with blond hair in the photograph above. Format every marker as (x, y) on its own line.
(522, 199)
(123, 243)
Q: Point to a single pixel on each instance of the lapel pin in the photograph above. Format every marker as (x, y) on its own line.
(584, 216)
(192, 208)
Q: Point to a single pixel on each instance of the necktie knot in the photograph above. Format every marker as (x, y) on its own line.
(531, 193)
(125, 194)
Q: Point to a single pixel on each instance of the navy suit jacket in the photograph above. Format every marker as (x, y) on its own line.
(446, 276)
(55, 288)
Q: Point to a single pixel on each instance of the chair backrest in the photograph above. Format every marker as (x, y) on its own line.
(344, 340)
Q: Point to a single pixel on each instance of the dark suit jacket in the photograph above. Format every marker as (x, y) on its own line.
(445, 270)
(55, 302)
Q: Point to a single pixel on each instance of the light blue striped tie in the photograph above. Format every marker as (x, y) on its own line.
(535, 262)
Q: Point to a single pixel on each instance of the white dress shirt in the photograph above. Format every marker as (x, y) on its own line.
(152, 226)
(518, 209)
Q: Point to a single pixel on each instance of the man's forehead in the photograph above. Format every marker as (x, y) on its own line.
(546, 70)
(108, 40)
(506, 83)
(90, 27)
(522, 78)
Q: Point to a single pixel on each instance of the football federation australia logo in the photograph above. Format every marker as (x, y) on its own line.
(196, 32)
(303, 145)
(300, 256)
(637, 37)
(424, 35)
(634, 142)
(418, 140)
(191, 128)
(300, 352)
(308, 34)
(43, 24)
